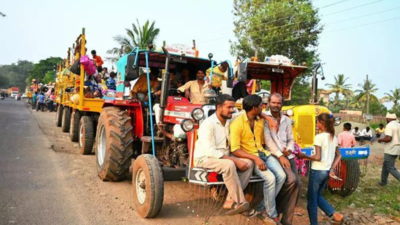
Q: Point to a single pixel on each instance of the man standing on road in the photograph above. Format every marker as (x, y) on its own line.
(392, 149)
(212, 152)
(247, 138)
(281, 128)
(41, 98)
(34, 99)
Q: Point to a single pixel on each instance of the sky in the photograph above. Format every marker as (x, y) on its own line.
(360, 37)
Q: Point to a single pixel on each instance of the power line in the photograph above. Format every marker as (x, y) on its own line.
(370, 14)
(355, 7)
(366, 24)
(268, 22)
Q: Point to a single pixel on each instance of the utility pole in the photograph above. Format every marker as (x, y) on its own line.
(368, 96)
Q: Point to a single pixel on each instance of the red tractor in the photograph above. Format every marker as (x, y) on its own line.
(126, 129)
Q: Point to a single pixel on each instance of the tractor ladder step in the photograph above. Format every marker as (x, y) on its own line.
(146, 142)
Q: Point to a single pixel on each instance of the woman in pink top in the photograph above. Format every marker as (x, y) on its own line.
(345, 138)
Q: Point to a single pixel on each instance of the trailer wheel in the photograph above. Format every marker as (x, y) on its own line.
(86, 135)
(114, 144)
(66, 119)
(148, 186)
(59, 115)
(74, 128)
(351, 180)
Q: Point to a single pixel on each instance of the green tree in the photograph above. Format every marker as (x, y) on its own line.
(376, 108)
(139, 36)
(14, 75)
(50, 76)
(278, 27)
(339, 87)
(393, 96)
(366, 94)
(40, 69)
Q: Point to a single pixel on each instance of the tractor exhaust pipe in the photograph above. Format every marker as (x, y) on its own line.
(314, 88)
(165, 85)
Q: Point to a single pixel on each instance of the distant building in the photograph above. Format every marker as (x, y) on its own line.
(324, 95)
(351, 112)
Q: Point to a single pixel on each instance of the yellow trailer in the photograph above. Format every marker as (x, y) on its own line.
(78, 114)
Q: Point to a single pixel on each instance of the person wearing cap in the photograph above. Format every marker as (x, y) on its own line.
(392, 149)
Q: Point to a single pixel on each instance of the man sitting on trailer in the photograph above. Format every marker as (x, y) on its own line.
(140, 90)
(195, 89)
(247, 140)
(212, 152)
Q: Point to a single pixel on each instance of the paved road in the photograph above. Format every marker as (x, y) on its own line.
(32, 187)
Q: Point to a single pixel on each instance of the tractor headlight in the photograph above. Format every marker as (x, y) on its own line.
(338, 121)
(289, 112)
(197, 114)
(187, 125)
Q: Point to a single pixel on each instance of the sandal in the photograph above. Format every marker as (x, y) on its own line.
(238, 208)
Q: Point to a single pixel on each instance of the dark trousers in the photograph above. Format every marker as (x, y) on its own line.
(50, 106)
(40, 106)
(33, 104)
(288, 197)
(388, 167)
(316, 184)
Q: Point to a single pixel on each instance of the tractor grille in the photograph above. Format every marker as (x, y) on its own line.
(306, 129)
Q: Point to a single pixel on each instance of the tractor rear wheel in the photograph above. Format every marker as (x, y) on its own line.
(114, 144)
(351, 180)
(148, 186)
(66, 119)
(59, 115)
(74, 126)
(86, 135)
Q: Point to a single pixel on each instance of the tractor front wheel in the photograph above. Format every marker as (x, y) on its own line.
(148, 186)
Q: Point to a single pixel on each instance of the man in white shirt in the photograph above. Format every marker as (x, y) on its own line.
(392, 148)
(278, 129)
(366, 135)
(195, 89)
(212, 152)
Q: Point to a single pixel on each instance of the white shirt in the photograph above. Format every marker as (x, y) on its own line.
(285, 134)
(393, 130)
(328, 149)
(355, 134)
(213, 138)
(364, 133)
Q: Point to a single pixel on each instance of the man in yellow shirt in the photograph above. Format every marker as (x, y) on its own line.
(380, 131)
(218, 75)
(141, 85)
(247, 139)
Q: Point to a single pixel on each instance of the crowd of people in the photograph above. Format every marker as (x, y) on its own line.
(41, 98)
(263, 144)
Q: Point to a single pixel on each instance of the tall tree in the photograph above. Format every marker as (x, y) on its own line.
(280, 27)
(15, 74)
(40, 69)
(366, 93)
(393, 96)
(139, 36)
(340, 87)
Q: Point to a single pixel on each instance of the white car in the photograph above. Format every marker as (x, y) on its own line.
(24, 95)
